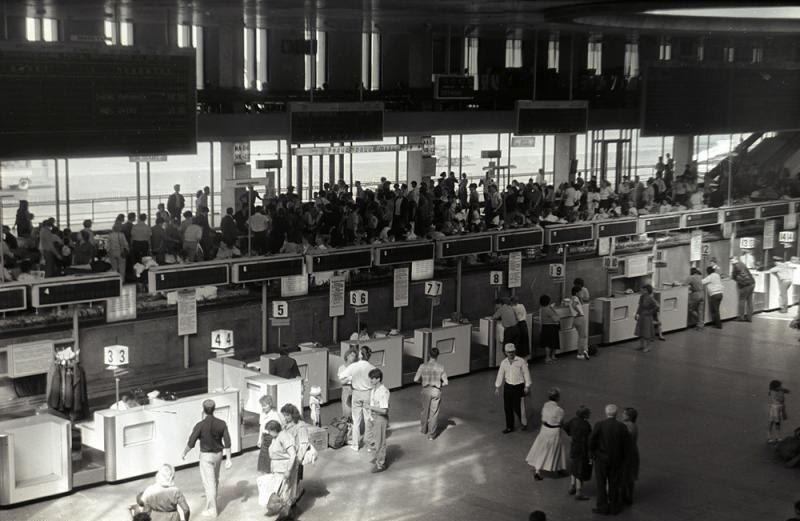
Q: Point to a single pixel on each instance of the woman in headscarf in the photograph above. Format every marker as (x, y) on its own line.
(162, 499)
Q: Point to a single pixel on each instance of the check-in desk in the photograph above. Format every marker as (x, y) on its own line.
(35, 458)
(138, 441)
(387, 355)
(761, 290)
(453, 343)
(616, 315)
(282, 390)
(480, 335)
(730, 301)
(673, 307)
(313, 366)
(225, 374)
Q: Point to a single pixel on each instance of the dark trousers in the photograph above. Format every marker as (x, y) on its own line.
(512, 397)
(139, 249)
(523, 343)
(746, 301)
(608, 486)
(511, 336)
(626, 491)
(713, 305)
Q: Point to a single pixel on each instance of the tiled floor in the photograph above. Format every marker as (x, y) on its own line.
(702, 401)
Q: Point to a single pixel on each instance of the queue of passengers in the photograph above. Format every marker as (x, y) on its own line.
(339, 215)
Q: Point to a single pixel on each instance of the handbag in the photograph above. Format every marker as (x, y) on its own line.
(310, 457)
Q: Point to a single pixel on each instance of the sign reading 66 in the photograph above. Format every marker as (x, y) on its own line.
(359, 297)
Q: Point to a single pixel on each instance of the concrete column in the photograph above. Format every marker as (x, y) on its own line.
(682, 151)
(564, 153)
(231, 56)
(414, 162)
(420, 63)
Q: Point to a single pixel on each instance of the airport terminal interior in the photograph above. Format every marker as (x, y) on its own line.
(399, 260)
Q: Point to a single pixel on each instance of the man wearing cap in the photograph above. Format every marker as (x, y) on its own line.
(745, 284)
(515, 378)
(783, 270)
(214, 441)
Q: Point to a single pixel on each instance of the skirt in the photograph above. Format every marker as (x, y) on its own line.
(777, 412)
(548, 451)
(263, 454)
(549, 336)
(580, 467)
(645, 327)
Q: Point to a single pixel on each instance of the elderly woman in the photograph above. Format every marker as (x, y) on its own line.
(645, 318)
(268, 413)
(580, 467)
(548, 452)
(296, 427)
(162, 499)
(283, 456)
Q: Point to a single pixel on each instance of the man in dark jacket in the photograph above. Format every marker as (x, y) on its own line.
(230, 231)
(746, 284)
(608, 444)
(175, 203)
(284, 366)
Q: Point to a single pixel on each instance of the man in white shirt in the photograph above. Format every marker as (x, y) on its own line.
(515, 378)
(357, 375)
(378, 414)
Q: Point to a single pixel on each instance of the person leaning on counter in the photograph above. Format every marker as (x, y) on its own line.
(214, 441)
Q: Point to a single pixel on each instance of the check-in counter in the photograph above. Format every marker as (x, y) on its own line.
(761, 290)
(138, 441)
(35, 458)
(674, 307)
(480, 335)
(453, 343)
(226, 374)
(616, 315)
(387, 355)
(282, 390)
(313, 366)
(729, 308)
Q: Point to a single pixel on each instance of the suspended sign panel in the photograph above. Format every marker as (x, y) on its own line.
(330, 122)
(518, 240)
(187, 276)
(59, 291)
(774, 210)
(568, 234)
(617, 229)
(660, 224)
(464, 246)
(400, 254)
(340, 260)
(453, 86)
(551, 117)
(701, 219)
(13, 298)
(740, 214)
(260, 269)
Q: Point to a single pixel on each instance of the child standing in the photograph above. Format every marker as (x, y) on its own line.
(314, 403)
(777, 409)
(378, 418)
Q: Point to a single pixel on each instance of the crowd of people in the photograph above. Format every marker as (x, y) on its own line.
(340, 215)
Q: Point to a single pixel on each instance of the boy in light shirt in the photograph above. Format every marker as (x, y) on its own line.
(378, 419)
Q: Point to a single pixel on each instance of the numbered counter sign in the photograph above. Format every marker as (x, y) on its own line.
(222, 339)
(747, 243)
(611, 263)
(557, 271)
(706, 250)
(496, 278)
(786, 237)
(359, 298)
(433, 288)
(116, 355)
(280, 309)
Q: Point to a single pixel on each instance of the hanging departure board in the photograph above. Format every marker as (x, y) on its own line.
(773, 210)
(551, 117)
(510, 241)
(568, 234)
(13, 298)
(403, 253)
(343, 259)
(186, 276)
(331, 122)
(660, 223)
(60, 291)
(260, 269)
(63, 101)
(469, 245)
(701, 219)
(617, 228)
(740, 214)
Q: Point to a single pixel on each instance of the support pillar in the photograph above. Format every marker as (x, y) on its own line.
(682, 151)
(229, 174)
(415, 169)
(564, 152)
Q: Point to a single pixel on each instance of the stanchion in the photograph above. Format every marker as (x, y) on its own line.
(492, 341)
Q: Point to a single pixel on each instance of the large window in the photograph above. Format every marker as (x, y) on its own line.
(118, 33)
(513, 53)
(191, 36)
(39, 29)
(553, 53)
(316, 72)
(371, 60)
(471, 58)
(631, 60)
(664, 49)
(594, 59)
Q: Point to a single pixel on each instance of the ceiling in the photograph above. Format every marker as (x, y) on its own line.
(476, 17)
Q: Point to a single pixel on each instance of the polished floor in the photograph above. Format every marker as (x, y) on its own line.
(702, 401)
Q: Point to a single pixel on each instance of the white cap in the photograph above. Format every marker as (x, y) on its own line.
(315, 390)
(509, 347)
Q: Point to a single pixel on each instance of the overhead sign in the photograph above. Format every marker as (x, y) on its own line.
(518, 240)
(356, 149)
(618, 228)
(747, 243)
(491, 154)
(115, 355)
(13, 297)
(337, 260)
(122, 307)
(496, 278)
(515, 269)
(403, 253)
(147, 159)
(769, 234)
(556, 271)
(187, 312)
(400, 287)
(334, 122)
(696, 246)
(523, 141)
(241, 153)
(702, 219)
(266, 268)
(336, 297)
(266, 164)
(187, 276)
(453, 86)
(433, 288)
(59, 291)
(551, 117)
(467, 245)
(740, 214)
(222, 339)
(569, 234)
(786, 237)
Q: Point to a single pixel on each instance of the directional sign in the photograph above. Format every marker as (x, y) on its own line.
(280, 309)
(359, 297)
(557, 271)
(222, 339)
(116, 355)
(433, 288)
(747, 243)
(786, 237)
(496, 278)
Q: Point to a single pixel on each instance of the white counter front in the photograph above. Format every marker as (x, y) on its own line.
(617, 316)
(387, 355)
(35, 458)
(674, 307)
(453, 342)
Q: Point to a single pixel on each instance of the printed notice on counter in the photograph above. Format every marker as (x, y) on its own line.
(400, 287)
(515, 269)
(696, 246)
(769, 234)
(187, 312)
(30, 358)
(122, 307)
(636, 266)
(604, 246)
(295, 285)
(422, 269)
(336, 299)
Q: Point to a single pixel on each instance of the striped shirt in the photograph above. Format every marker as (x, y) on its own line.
(431, 374)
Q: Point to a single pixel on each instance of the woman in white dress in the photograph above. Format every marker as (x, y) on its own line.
(549, 451)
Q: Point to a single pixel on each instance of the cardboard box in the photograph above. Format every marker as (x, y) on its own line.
(318, 437)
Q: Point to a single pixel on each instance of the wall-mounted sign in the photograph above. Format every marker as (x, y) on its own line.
(433, 288)
(496, 278)
(747, 243)
(336, 297)
(187, 312)
(515, 269)
(400, 287)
